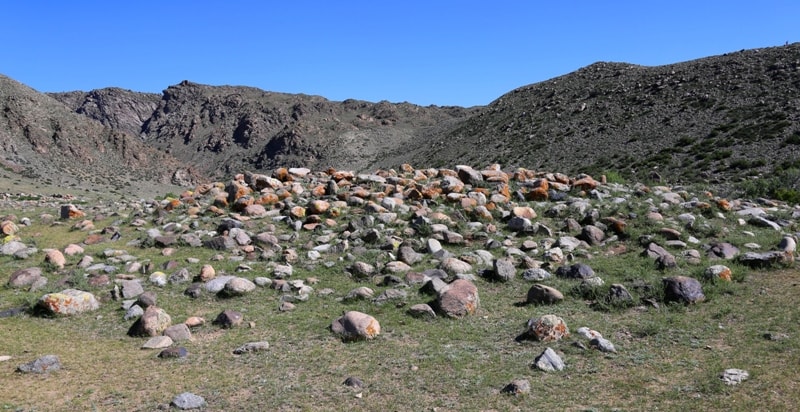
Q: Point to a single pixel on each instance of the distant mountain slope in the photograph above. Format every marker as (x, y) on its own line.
(230, 128)
(116, 108)
(226, 129)
(714, 119)
(42, 138)
(717, 119)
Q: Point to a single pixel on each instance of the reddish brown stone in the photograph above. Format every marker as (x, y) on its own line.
(586, 183)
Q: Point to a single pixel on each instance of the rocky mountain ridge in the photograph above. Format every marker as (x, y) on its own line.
(40, 138)
(717, 120)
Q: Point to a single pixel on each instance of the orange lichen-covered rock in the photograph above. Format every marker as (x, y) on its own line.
(585, 183)
(431, 192)
(523, 211)
(724, 204)
(537, 194)
(420, 176)
(71, 212)
(298, 212)
(718, 272)
(343, 175)
(458, 299)
(242, 203)
(282, 174)
(504, 190)
(68, 302)
(616, 225)
(317, 207)
(361, 192)
(268, 199)
(9, 228)
(547, 328)
(354, 325)
(318, 190)
(236, 189)
(468, 203)
(283, 194)
(494, 176)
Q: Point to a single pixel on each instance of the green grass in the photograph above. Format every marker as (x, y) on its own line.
(669, 357)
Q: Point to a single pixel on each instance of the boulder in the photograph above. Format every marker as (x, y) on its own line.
(547, 328)
(765, 259)
(455, 266)
(409, 255)
(153, 322)
(536, 274)
(683, 289)
(67, 302)
(158, 342)
(721, 272)
(548, 361)
(188, 400)
(251, 347)
(238, 286)
(592, 235)
(602, 344)
(575, 271)
(179, 332)
(45, 364)
(422, 310)
(723, 250)
(25, 277)
(354, 325)
(540, 294)
(504, 270)
(71, 212)
(55, 258)
(228, 319)
(517, 387)
(458, 299)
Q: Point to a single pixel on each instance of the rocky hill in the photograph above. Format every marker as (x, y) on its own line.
(40, 138)
(716, 119)
(224, 129)
(719, 119)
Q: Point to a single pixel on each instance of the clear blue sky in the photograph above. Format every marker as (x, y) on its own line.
(438, 52)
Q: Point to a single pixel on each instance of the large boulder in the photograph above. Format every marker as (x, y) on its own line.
(455, 266)
(540, 294)
(683, 289)
(67, 302)
(25, 277)
(458, 299)
(547, 328)
(504, 270)
(354, 325)
(153, 322)
(575, 271)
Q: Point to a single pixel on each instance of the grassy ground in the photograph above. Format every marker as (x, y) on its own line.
(669, 357)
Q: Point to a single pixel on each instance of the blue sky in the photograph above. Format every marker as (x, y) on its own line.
(461, 53)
